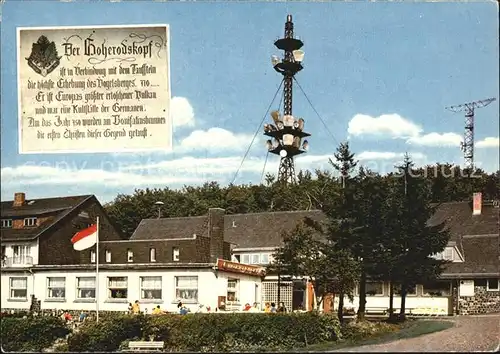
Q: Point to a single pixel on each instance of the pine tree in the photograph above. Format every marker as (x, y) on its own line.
(417, 240)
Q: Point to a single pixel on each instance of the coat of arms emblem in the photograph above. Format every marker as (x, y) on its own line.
(43, 58)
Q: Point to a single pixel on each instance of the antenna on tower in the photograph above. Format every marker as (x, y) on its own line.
(287, 133)
(467, 146)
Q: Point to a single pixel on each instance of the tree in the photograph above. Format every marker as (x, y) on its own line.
(417, 240)
(306, 252)
(339, 211)
(367, 240)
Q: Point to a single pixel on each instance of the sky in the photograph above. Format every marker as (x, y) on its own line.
(378, 75)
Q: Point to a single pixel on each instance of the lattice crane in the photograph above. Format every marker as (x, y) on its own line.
(467, 146)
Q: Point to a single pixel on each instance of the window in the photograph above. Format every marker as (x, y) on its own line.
(152, 254)
(245, 258)
(92, 256)
(117, 287)
(175, 254)
(6, 223)
(448, 254)
(264, 258)
(186, 289)
(108, 256)
(232, 291)
(151, 288)
(85, 288)
(411, 290)
(56, 288)
(480, 282)
(255, 259)
(30, 222)
(19, 288)
(130, 255)
(492, 285)
(374, 288)
(436, 288)
(21, 254)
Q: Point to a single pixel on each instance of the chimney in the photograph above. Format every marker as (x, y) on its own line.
(19, 199)
(216, 233)
(477, 201)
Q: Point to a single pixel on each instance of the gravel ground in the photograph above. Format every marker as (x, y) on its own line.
(470, 334)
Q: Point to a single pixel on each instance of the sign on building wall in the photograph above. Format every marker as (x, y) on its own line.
(466, 288)
(235, 267)
(94, 89)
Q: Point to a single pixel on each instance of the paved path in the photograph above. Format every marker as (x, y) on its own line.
(470, 334)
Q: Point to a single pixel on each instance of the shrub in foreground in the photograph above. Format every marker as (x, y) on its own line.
(355, 330)
(107, 334)
(32, 333)
(211, 332)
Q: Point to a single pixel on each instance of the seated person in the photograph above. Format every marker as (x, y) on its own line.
(157, 311)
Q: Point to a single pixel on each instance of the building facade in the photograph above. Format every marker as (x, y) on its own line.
(41, 270)
(179, 259)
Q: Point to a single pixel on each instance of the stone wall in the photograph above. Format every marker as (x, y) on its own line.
(483, 301)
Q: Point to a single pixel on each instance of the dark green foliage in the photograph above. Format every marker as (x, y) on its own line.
(210, 332)
(313, 191)
(106, 335)
(32, 333)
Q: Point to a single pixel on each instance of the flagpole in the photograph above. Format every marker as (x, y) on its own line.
(97, 272)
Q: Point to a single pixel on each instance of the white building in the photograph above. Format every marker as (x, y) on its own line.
(41, 269)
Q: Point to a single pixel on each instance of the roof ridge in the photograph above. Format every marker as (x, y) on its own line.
(277, 212)
(48, 198)
(175, 218)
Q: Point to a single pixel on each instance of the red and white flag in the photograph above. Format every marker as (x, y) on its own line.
(85, 239)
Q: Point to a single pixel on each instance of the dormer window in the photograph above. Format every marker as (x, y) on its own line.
(152, 254)
(30, 222)
(449, 254)
(130, 255)
(6, 223)
(108, 256)
(92, 256)
(175, 254)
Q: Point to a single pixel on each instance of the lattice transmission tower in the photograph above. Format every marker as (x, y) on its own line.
(467, 146)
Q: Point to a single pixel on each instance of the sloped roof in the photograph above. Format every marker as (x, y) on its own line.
(481, 256)
(59, 207)
(460, 221)
(170, 228)
(264, 229)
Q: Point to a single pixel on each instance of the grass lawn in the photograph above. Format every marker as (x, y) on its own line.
(409, 329)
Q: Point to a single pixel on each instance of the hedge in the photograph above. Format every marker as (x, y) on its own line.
(107, 334)
(209, 332)
(32, 333)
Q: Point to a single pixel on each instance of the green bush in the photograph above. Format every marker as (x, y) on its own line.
(32, 333)
(107, 334)
(210, 332)
(355, 330)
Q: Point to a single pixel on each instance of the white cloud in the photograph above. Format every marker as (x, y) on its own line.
(182, 112)
(436, 139)
(121, 173)
(391, 125)
(488, 143)
(376, 155)
(64, 175)
(386, 155)
(215, 139)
